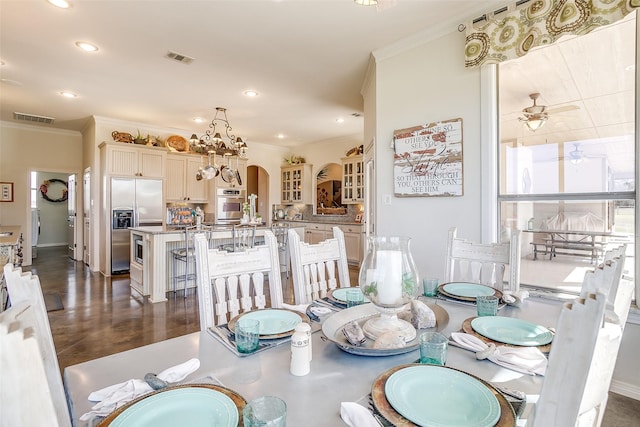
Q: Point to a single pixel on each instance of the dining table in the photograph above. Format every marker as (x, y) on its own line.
(314, 399)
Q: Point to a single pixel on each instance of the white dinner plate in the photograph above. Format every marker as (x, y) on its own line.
(468, 290)
(436, 396)
(194, 407)
(274, 321)
(512, 331)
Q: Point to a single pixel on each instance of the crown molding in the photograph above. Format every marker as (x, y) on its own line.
(36, 128)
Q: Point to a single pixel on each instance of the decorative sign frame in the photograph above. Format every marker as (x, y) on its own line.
(427, 160)
(6, 191)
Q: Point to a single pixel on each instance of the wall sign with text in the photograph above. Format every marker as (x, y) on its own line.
(427, 159)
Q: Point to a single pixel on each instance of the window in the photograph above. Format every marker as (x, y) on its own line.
(34, 189)
(566, 165)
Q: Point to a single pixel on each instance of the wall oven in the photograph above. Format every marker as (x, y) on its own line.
(229, 205)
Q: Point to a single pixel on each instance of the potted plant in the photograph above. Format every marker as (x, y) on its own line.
(139, 139)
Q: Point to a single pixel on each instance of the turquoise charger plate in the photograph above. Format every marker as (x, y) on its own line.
(435, 396)
(193, 407)
(468, 290)
(512, 331)
(274, 321)
(341, 294)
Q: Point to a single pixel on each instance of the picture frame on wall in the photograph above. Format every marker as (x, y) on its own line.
(6, 191)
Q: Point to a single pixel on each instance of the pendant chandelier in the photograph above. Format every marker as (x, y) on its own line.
(212, 141)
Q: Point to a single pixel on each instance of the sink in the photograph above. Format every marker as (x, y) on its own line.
(6, 234)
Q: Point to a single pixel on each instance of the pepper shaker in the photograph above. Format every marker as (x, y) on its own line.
(300, 363)
(307, 328)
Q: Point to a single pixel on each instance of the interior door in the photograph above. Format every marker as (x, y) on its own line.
(86, 208)
(71, 204)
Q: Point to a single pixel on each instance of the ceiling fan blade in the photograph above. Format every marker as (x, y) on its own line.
(562, 109)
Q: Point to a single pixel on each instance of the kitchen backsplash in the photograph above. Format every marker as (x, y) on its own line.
(305, 213)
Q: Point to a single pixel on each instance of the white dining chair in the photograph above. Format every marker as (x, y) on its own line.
(229, 283)
(32, 390)
(583, 356)
(483, 263)
(313, 266)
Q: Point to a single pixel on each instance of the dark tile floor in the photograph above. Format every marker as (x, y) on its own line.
(102, 316)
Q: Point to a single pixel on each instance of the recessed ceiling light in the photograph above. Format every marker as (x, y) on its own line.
(1, 62)
(280, 136)
(63, 4)
(199, 120)
(339, 120)
(86, 46)
(250, 93)
(631, 67)
(68, 94)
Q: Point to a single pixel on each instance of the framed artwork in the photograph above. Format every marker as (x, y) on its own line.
(6, 191)
(427, 159)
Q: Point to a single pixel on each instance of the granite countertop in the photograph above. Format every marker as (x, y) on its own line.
(158, 229)
(12, 237)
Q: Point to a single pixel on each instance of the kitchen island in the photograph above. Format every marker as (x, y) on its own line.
(158, 258)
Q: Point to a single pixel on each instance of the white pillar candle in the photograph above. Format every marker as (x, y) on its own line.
(389, 268)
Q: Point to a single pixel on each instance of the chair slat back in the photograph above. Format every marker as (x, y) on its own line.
(314, 266)
(570, 361)
(230, 283)
(484, 263)
(25, 291)
(584, 351)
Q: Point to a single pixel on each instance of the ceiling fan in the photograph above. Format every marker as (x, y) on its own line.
(536, 115)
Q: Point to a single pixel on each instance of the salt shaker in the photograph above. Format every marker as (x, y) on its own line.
(307, 328)
(300, 363)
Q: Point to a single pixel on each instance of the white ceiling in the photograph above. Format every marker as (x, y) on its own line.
(306, 58)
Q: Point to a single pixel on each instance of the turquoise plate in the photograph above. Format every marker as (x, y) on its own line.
(340, 294)
(512, 331)
(468, 290)
(274, 321)
(435, 396)
(194, 407)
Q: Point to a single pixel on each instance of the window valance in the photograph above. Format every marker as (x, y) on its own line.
(516, 31)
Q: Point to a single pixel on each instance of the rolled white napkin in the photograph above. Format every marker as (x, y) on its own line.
(514, 298)
(112, 397)
(355, 415)
(302, 308)
(527, 360)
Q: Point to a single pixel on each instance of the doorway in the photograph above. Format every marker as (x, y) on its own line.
(52, 206)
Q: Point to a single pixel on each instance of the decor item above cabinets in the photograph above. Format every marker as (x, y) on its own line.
(352, 180)
(133, 161)
(180, 180)
(296, 183)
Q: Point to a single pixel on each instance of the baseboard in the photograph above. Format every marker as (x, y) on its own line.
(625, 389)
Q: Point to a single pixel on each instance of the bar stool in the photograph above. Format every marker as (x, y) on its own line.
(281, 231)
(184, 263)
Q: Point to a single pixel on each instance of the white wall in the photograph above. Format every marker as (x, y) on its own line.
(24, 148)
(426, 84)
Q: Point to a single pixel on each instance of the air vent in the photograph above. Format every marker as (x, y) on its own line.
(33, 118)
(179, 57)
(356, 114)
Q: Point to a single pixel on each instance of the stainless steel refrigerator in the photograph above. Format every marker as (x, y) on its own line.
(135, 202)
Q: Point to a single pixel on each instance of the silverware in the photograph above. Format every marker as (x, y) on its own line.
(379, 418)
(321, 303)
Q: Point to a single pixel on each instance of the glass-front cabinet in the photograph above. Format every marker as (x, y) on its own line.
(352, 180)
(296, 183)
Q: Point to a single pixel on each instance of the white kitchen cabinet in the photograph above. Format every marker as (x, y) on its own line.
(353, 243)
(122, 159)
(352, 180)
(180, 179)
(235, 163)
(296, 183)
(316, 233)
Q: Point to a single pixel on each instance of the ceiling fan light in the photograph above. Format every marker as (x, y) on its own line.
(535, 124)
